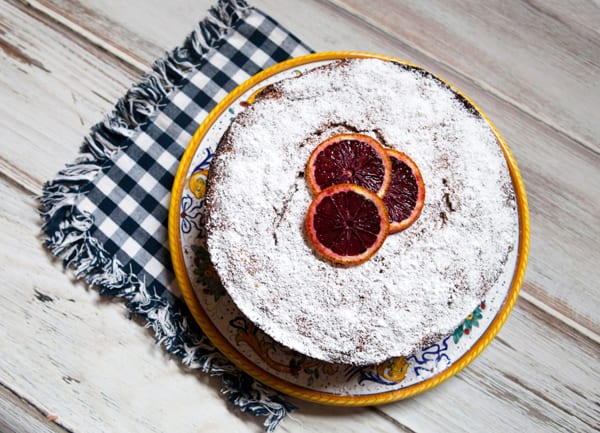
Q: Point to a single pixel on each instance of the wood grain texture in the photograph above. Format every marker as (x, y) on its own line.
(522, 51)
(565, 209)
(17, 416)
(53, 88)
(584, 13)
(115, 23)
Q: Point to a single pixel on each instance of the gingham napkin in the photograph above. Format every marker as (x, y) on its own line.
(105, 215)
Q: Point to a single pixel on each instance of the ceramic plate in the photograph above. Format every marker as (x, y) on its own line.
(270, 362)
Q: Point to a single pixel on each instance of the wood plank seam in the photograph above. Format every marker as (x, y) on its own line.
(537, 295)
(57, 427)
(88, 35)
(538, 8)
(403, 428)
(478, 83)
(549, 310)
(542, 396)
(22, 181)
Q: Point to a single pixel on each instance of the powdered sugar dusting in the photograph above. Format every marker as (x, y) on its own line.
(425, 280)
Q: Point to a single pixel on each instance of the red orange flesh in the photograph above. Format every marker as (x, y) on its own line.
(349, 158)
(347, 223)
(406, 195)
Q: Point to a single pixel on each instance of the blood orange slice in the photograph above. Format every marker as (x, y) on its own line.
(347, 223)
(406, 194)
(349, 158)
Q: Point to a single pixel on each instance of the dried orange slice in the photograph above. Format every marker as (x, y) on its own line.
(349, 158)
(406, 194)
(347, 223)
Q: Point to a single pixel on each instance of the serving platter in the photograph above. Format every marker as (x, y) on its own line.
(282, 368)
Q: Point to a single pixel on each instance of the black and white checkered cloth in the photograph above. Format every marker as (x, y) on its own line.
(106, 214)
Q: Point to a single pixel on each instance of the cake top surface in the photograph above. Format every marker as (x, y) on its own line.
(423, 281)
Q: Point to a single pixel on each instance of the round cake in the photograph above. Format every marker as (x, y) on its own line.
(424, 281)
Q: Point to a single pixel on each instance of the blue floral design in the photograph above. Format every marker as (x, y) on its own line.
(190, 214)
(428, 359)
(205, 162)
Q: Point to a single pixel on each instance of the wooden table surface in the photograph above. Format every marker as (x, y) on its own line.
(73, 362)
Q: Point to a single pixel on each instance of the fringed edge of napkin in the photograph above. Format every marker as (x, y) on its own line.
(67, 229)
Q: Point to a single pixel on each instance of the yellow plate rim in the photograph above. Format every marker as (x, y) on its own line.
(267, 378)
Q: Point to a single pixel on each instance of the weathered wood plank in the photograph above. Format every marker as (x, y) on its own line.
(121, 25)
(17, 416)
(584, 13)
(53, 89)
(565, 209)
(522, 51)
(565, 37)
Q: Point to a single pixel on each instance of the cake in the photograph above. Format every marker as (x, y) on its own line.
(425, 280)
